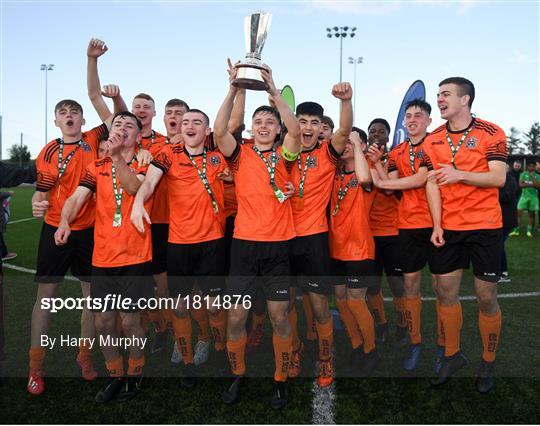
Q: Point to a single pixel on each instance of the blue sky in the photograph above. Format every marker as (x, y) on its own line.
(179, 49)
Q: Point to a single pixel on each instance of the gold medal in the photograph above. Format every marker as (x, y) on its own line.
(280, 195)
(117, 220)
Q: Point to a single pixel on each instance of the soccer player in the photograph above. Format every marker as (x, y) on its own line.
(383, 221)
(313, 175)
(60, 166)
(467, 156)
(263, 227)
(327, 128)
(528, 201)
(196, 248)
(408, 173)
(121, 260)
(147, 147)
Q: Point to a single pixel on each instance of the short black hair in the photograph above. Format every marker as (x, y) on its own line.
(200, 112)
(268, 109)
(361, 133)
(310, 108)
(380, 121)
(421, 104)
(328, 120)
(176, 102)
(130, 115)
(466, 87)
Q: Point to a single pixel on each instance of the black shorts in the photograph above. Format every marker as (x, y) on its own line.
(54, 261)
(387, 256)
(310, 263)
(261, 264)
(160, 236)
(203, 263)
(481, 248)
(133, 281)
(353, 273)
(416, 248)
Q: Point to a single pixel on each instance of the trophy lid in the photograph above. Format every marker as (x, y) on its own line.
(256, 29)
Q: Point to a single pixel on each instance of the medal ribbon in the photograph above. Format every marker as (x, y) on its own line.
(204, 179)
(303, 174)
(63, 166)
(118, 198)
(271, 170)
(455, 149)
(153, 136)
(341, 193)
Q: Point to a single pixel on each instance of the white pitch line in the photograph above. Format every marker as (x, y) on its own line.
(31, 271)
(499, 296)
(21, 220)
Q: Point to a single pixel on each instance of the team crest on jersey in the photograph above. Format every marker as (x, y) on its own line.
(471, 142)
(311, 163)
(215, 160)
(420, 155)
(85, 147)
(354, 183)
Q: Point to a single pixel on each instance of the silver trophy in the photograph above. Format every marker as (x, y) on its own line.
(249, 72)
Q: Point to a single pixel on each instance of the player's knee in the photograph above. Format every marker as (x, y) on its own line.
(103, 324)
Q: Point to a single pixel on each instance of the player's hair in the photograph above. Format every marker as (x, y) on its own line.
(310, 108)
(129, 115)
(176, 102)
(68, 103)
(380, 121)
(421, 104)
(267, 109)
(104, 137)
(198, 111)
(144, 96)
(361, 133)
(327, 120)
(465, 87)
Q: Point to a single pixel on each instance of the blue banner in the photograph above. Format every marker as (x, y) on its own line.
(416, 91)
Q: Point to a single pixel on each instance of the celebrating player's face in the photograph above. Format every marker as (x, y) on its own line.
(194, 129)
(144, 109)
(378, 134)
(348, 152)
(449, 101)
(265, 128)
(416, 121)
(127, 127)
(70, 120)
(173, 119)
(326, 132)
(310, 128)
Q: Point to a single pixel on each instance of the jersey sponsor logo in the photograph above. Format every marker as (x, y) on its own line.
(215, 160)
(437, 143)
(471, 143)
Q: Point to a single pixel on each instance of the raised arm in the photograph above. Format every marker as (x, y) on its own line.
(223, 137)
(95, 49)
(361, 167)
(343, 91)
(71, 209)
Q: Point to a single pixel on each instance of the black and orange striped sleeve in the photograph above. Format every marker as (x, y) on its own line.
(47, 174)
(234, 159)
(93, 136)
(89, 178)
(163, 159)
(392, 165)
(496, 149)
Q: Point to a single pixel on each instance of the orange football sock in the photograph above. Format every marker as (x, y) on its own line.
(452, 319)
(293, 320)
(135, 366)
(115, 367)
(85, 353)
(311, 328)
(236, 350)
(376, 306)
(218, 323)
(157, 318)
(399, 306)
(326, 338)
(37, 355)
(440, 328)
(365, 322)
(201, 316)
(490, 330)
(182, 332)
(347, 318)
(282, 354)
(413, 310)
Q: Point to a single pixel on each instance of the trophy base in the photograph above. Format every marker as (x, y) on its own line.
(249, 77)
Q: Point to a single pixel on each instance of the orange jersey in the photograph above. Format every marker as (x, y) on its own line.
(413, 211)
(350, 235)
(121, 245)
(318, 166)
(231, 205)
(75, 157)
(383, 215)
(192, 218)
(468, 207)
(160, 209)
(260, 216)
